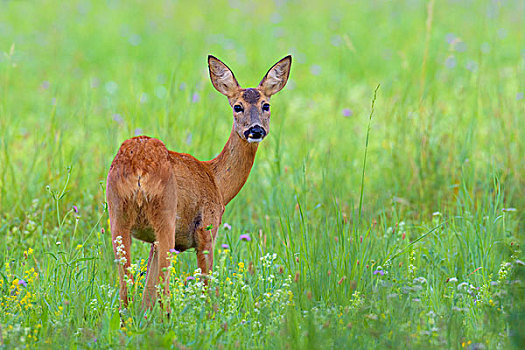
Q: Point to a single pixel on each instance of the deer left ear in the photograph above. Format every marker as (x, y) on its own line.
(222, 77)
(277, 77)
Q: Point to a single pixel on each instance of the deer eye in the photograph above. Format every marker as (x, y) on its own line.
(266, 107)
(238, 108)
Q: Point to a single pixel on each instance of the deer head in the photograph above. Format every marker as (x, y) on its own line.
(251, 107)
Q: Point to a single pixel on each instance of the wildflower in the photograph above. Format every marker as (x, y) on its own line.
(379, 272)
(190, 278)
(79, 246)
(94, 83)
(508, 209)
(450, 62)
(227, 226)
(135, 39)
(463, 286)
(452, 279)
(225, 246)
(245, 237)
(28, 252)
(420, 280)
(118, 118)
(111, 87)
(173, 250)
(347, 112)
(75, 208)
(471, 65)
(58, 243)
(315, 69)
(195, 98)
(450, 38)
(22, 283)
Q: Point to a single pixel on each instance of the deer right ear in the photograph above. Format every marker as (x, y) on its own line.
(222, 77)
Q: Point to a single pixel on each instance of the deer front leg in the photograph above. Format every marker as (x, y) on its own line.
(206, 243)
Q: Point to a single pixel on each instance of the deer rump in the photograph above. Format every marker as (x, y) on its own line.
(149, 186)
(143, 185)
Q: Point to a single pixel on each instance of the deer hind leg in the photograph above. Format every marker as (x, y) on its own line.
(152, 272)
(163, 223)
(121, 239)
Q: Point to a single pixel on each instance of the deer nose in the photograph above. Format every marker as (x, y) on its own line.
(255, 134)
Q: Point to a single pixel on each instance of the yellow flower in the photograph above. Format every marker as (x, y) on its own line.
(79, 246)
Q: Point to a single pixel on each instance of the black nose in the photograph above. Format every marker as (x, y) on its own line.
(255, 132)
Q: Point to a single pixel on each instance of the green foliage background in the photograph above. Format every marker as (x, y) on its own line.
(444, 186)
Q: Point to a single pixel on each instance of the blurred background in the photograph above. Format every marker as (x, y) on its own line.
(80, 77)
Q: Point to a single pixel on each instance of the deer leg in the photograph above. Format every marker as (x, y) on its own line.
(205, 245)
(152, 272)
(165, 244)
(150, 258)
(121, 239)
(158, 264)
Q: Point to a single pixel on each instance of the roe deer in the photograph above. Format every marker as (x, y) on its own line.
(174, 201)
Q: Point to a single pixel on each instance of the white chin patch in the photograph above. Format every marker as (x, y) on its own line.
(250, 140)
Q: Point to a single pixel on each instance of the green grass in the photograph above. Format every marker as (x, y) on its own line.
(443, 190)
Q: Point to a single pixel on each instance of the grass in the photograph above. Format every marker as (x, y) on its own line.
(423, 249)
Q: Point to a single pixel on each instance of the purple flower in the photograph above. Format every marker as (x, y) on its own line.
(379, 272)
(347, 112)
(75, 208)
(195, 98)
(225, 246)
(227, 226)
(22, 282)
(450, 62)
(315, 69)
(245, 237)
(190, 278)
(173, 250)
(118, 118)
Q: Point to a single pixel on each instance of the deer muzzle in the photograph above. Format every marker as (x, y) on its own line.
(255, 134)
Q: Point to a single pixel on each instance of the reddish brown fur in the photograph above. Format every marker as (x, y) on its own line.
(169, 199)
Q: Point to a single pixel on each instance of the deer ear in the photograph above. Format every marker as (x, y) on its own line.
(222, 77)
(276, 77)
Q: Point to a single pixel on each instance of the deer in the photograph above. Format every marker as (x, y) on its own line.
(172, 200)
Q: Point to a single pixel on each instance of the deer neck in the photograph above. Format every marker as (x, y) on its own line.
(233, 165)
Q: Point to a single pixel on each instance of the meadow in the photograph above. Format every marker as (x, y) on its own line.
(385, 209)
